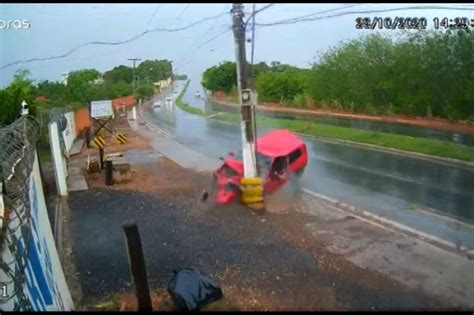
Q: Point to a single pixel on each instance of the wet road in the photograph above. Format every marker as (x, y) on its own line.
(387, 184)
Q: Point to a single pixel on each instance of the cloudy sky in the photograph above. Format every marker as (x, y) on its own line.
(55, 29)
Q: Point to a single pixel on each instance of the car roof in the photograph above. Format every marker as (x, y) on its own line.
(278, 142)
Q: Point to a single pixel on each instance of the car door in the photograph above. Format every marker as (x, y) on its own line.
(278, 174)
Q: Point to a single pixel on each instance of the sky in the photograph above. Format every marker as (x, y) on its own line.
(55, 29)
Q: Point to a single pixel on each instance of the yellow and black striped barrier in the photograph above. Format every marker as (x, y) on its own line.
(98, 142)
(121, 138)
(251, 190)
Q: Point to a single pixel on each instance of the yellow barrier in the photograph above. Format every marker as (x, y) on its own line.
(251, 190)
(98, 142)
(121, 138)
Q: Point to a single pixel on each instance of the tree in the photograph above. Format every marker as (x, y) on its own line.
(79, 81)
(12, 96)
(220, 78)
(120, 73)
(154, 70)
(144, 91)
(279, 86)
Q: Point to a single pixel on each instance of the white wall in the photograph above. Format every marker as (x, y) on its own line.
(59, 162)
(44, 284)
(69, 134)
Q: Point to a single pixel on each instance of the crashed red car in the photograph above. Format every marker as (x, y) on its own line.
(280, 155)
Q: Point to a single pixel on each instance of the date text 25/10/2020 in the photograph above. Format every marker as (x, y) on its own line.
(412, 23)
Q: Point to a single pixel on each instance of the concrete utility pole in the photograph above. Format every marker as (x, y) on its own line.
(134, 61)
(251, 185)
(245, 94)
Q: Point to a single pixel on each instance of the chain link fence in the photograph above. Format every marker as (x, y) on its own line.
(17, 156)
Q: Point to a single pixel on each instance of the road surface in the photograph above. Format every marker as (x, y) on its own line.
(433, 197)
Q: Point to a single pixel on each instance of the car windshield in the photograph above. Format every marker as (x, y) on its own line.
(264, 161)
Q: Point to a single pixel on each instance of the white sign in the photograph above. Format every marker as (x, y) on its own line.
(101, 109)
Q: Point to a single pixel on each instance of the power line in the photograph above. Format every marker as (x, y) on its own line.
(256, 12)
(306, 18)
(112, 43)
(253, 47)
(154, 13)
(203, 44)
(226, 10)
(182, 12)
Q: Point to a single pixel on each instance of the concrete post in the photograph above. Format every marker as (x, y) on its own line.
(134, 113)
(58, 159)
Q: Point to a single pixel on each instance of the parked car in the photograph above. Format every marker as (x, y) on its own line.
(157, 104)
(281, 155)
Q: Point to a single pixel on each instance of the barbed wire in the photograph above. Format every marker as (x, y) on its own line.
(18, 143)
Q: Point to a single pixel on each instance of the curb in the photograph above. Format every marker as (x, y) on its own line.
(65, 256)
(394, 226)
(139, 114)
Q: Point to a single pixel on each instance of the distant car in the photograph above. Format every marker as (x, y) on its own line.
(157, 104)
(198, 94)
(169, 98)
(280, 153)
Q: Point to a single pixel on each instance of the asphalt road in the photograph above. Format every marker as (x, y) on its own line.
(387, 184)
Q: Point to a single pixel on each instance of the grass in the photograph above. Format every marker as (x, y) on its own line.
(387, 140)
(44, 154)
(394, 141)
(184, 106)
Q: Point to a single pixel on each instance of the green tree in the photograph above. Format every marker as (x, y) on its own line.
(79, 82)
(154, 70)
(144, 91)
(13, 95)
(221, 77)
(120, 73)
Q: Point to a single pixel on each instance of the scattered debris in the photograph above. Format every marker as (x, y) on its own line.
(204, 195)
(190, 290)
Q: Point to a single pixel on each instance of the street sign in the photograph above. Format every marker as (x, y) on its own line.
(101, 109)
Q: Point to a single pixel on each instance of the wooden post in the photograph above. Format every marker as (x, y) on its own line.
(137, 266)
(109, 173)
(101, 157)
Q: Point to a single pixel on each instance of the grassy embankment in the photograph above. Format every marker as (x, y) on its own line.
(394, 141)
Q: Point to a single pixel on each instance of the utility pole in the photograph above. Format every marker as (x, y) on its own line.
(134, 61)
(251, 185)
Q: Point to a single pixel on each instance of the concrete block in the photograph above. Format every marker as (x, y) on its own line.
(122, 172)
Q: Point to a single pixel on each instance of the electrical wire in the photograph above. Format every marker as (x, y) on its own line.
(306, 18)
(112, 43)
(182, 12)
(193, 48)
(254, 118)
(154, 13)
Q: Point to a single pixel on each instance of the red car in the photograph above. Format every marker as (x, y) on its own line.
(280, 154)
